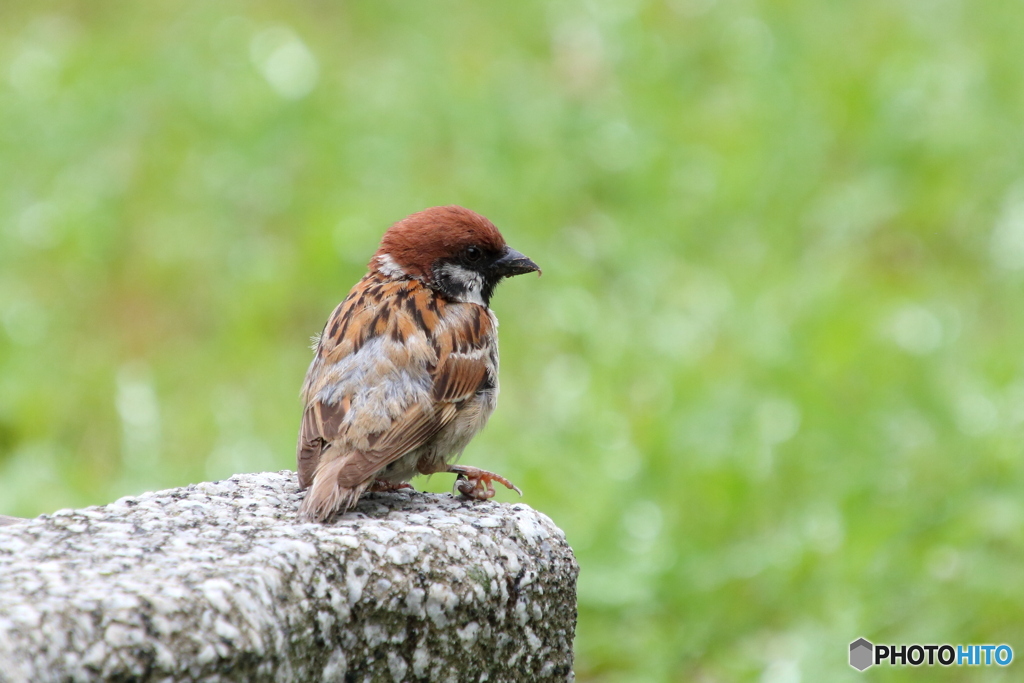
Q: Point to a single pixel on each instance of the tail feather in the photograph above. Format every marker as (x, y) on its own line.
(326, 495)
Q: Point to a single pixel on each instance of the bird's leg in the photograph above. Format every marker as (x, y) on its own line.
(384, 486)
(475, 483)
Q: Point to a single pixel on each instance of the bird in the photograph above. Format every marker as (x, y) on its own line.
(405, 371)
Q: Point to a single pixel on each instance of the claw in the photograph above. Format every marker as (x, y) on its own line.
(475, 483)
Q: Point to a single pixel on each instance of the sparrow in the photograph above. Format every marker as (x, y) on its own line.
(406, 368)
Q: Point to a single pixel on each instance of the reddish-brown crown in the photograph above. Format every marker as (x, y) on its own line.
(416, 242)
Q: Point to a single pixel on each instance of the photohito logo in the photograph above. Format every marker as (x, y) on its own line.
(864, 653)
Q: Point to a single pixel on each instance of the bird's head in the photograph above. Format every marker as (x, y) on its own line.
(451, 249)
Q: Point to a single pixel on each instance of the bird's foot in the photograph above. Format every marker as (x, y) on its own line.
(475, 483)
(384, 486)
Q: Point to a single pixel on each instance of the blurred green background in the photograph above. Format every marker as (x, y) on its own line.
(771, 383)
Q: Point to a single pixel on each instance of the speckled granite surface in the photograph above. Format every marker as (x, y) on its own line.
(218, 582)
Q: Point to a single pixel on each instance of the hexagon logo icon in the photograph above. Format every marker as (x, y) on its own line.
(860, 654)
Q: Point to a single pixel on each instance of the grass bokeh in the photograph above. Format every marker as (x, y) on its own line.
(770, 384)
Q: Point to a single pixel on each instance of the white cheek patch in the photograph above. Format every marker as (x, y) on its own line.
(469, 284)
(389, 267)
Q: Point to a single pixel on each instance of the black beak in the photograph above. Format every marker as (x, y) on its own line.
(513, 263)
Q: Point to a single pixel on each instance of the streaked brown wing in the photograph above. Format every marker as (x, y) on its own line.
(310, 446)
(416, 427)
(460, 370)
(318, 421)
(459, 378)
(346, 330)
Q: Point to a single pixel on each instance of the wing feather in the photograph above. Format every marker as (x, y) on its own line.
(406, 434)
(420, 335)
(310, 446)
(459, 378)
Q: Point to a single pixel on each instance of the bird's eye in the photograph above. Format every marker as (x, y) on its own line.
(474, 253)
